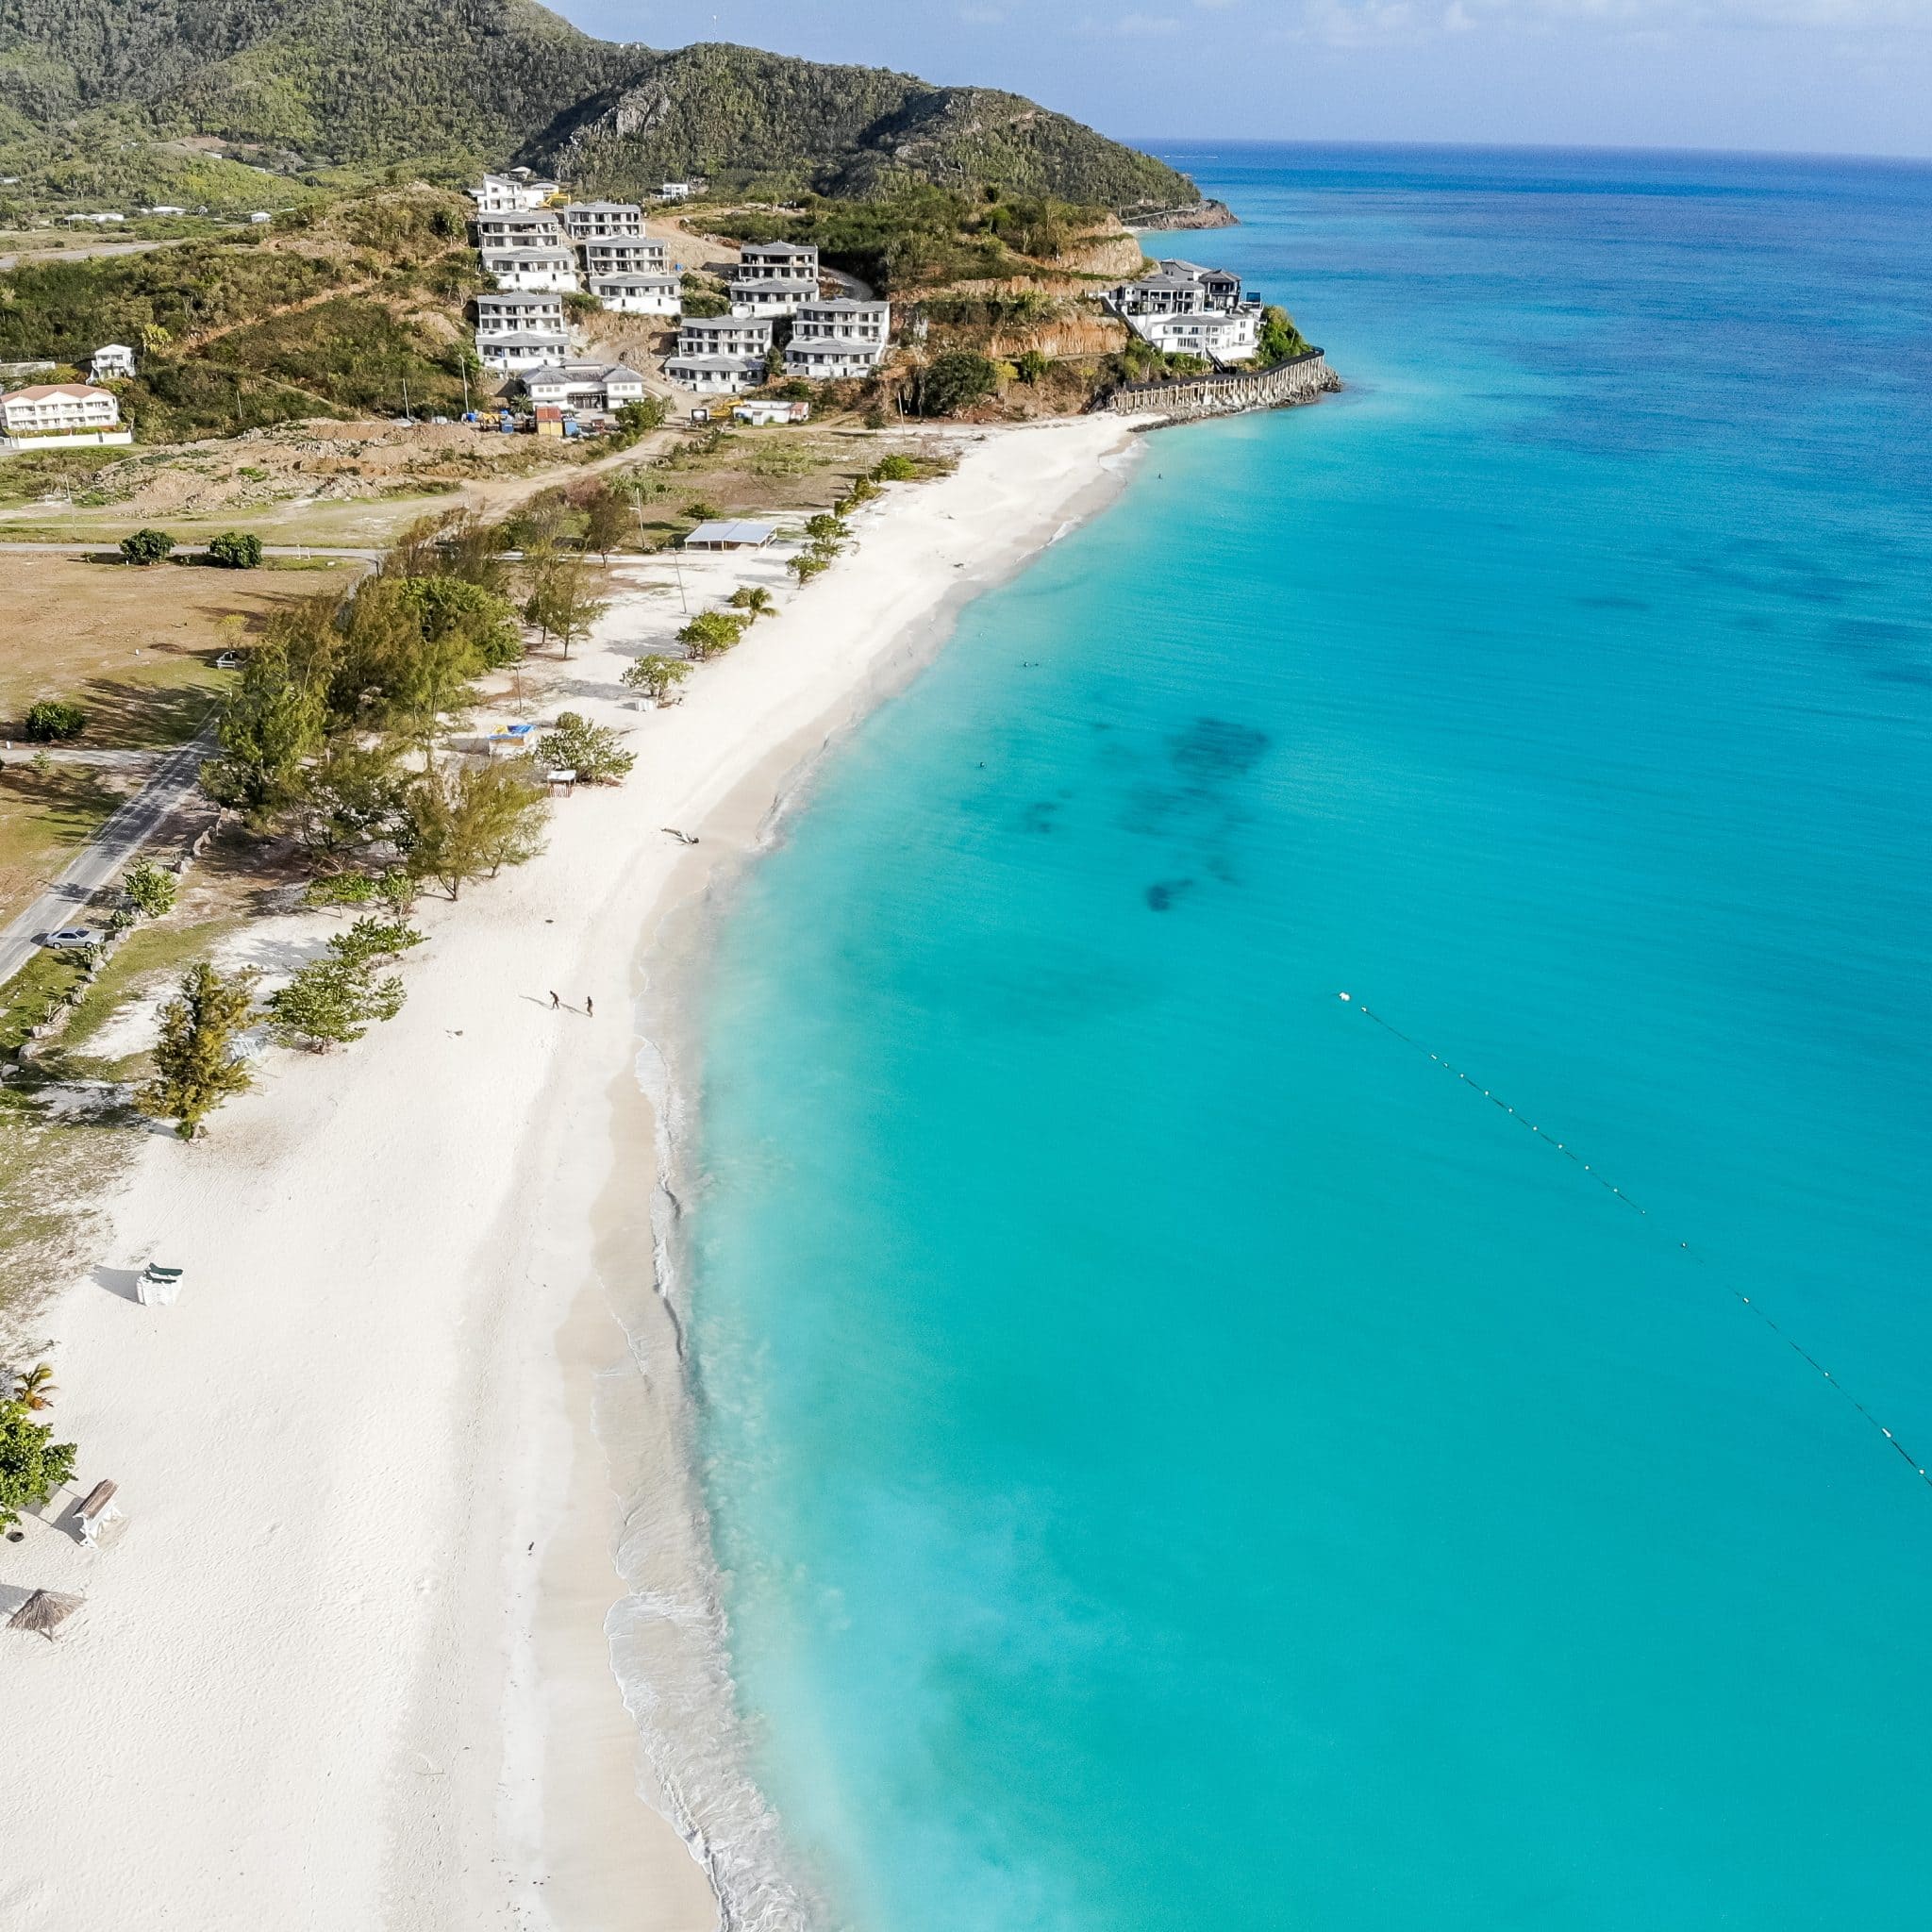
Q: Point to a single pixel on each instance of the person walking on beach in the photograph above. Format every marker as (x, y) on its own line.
(555, 1002)
(590, 1007)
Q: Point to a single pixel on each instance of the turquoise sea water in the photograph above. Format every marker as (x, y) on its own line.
(1182, 1459)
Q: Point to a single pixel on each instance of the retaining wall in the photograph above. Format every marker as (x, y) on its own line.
(1184, 399)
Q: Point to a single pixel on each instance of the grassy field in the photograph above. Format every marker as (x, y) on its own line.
(46, 817)
(135, 647)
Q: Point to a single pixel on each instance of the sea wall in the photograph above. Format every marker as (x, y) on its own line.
(1183, 399)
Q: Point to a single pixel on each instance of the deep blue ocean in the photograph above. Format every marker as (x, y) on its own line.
(1181, 1458)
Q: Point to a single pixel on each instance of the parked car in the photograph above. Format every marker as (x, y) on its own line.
(70, 939)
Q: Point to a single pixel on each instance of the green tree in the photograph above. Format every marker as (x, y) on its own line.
(808, 566)
(32, 1464)
(1031, 366)
(593, 751)
(147, 546)
(754, 600)
(606, 520)
(196, 1066)
(469, 822)
(711, 632)
(637, 420)
(456, 606)
(348, 800)
(370, 940)
(330, 1003)
(827, 530)
(954, 381)
(235, 550)
(562, 605)
(272, 719)
(700, 509)
(150, 888)
(1281, 341)
(656, 676)
(53, 721)
(897, 468)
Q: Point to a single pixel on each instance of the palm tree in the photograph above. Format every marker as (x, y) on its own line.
(756, 599)
(35, 1389)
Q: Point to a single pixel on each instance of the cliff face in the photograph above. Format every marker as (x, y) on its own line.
(1198, 214)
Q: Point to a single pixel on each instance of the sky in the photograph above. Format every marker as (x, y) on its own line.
(1823, 76)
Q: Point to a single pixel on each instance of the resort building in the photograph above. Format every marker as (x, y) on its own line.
(53, 413)
(111, 363)
(721, 353)
(772, 297)
(626, 255)
(596, 220)
(508, 194)
(531, 267)
(639, 295)
(517, 350)
(526, 311)
(1186, 309)
(519, 228)
(596, 389)
(676, 190)
(775, 261)
(839, 338)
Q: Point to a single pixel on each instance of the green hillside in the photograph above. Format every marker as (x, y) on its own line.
(105, 102)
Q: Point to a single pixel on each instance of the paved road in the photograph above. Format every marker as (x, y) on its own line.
(129, 828)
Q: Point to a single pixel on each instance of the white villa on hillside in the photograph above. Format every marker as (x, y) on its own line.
(1184, 308)
(774, 278)
(113, 363)
(506, 193)
(626, 255)
(720, 354)
(524, 329)
(596, 220)
(531, 267)
(838, 339)
(639, 295)
(588, 387)
(51, 414)
(676, 190)
(519, 228)
(517, 351)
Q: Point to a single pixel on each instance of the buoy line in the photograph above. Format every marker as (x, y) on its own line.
(1684, 1248)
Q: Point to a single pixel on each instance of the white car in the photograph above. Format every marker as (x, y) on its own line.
(71, 938)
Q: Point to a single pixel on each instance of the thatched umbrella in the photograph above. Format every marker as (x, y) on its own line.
(45, 1611)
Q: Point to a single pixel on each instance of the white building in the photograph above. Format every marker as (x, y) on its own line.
(596, 220)
(516, 351)
(626, 255)
(525, 311)
(507, 194)
(676, 190)
(597, 389)
(639, 295)
(1230, 336)
(720, 354)
(1178, 288)
(775, 261)
(53, 413)
(772, 297)
(844, 319)
(116, 359)
(764, 412)
(519, 228)
(531, 267)
(829, 359)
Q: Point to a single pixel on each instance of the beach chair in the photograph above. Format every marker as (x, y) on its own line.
(157, 1287)
(97, 1509)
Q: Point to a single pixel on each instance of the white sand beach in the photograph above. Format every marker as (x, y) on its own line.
(345, 1663)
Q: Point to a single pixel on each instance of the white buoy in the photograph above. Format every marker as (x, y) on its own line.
(1341, 995)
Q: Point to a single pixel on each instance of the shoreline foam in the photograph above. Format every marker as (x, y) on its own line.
(346, 1664)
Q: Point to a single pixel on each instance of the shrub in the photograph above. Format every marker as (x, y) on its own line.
(952, 381)
(53, 720)
(593, 751)
(150, 888)
(235, 550)
(371, 938)
(711, 632)
(32, 1464)
(808, 566)
(147, 546)
(331, 1001)
(894, 469)
(656, 676)
(1031, 366)
(343, 889)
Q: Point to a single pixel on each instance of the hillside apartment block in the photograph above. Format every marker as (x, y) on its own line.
(56, 415)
